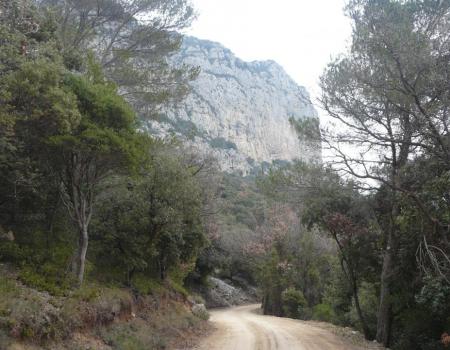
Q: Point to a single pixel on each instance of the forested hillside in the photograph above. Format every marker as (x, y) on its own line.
(88, 203)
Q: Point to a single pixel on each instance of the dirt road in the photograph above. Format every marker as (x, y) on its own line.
(242, 328)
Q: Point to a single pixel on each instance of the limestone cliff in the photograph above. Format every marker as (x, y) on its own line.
(241, 112)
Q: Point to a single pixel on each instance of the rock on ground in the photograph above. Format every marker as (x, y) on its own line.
(225, 294)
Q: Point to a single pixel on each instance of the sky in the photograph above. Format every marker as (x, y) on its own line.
(301, 35)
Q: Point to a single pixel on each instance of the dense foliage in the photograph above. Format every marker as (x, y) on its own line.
(81, 189)
(389, 98)
(241, 209)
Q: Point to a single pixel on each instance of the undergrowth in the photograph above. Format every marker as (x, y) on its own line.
(119, 317)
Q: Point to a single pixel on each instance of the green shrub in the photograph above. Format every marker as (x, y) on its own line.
(41, 282)
(87, 293)
(146, 285)
(179, 288)
(11, 252)
(40, 267)
(293, 303)
(177, 276)
(323, 312)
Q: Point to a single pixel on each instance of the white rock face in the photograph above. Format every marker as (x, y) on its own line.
(240, 111)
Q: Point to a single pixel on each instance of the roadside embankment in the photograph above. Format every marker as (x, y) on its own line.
(96, 317)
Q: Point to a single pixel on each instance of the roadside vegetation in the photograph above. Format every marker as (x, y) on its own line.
(99, 222)
(96, 316)
(368, 244)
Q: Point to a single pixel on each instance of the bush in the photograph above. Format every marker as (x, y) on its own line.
(177, 276)
(11, 252)
(42, 282)
(323, 312)
(293, 303)
(87, 293)
(199, 310)
(146, 285)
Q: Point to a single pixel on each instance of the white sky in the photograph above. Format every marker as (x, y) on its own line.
(301, 35)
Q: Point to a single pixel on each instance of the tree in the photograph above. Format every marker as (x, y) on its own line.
(174, 200)
(100, 145)
(352, 240)
(151, 224)
(66, 133)
(349, 219)
(60, 128)
(389, 93)
(133, 41)
(23, 31)
(330, 203)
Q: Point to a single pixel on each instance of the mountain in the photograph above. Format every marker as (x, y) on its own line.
(240, 112)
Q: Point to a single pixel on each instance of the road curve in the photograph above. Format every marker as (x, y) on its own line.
(243, 328)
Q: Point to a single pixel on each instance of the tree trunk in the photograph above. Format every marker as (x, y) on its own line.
(354, 285)
(82, 250)
(364, 326)
(385, 308)
(265, 303)
(352, 280)
(384, 320)
(162, 269)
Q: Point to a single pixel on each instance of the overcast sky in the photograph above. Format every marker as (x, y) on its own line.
(301, 35)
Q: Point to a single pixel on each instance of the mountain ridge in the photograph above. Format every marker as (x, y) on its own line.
(239, 112)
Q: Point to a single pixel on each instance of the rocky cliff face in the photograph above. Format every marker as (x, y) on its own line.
(241, 112)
